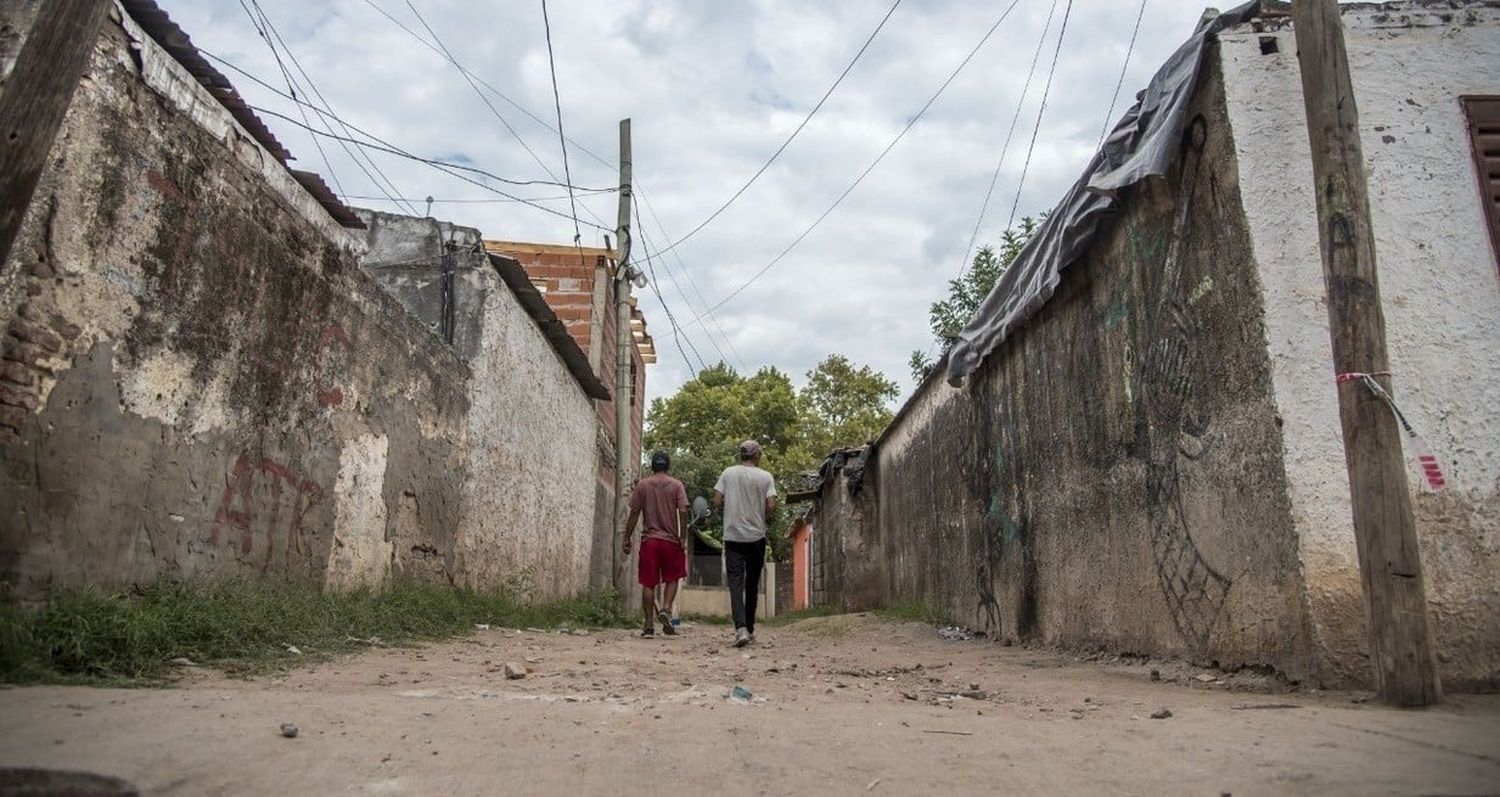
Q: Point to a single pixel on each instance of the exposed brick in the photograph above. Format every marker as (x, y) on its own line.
(12, 417)
(26, 353)
(16, 373)
(16, 397)
(572, 313)
(36, 334)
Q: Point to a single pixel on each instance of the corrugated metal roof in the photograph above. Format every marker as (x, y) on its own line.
(160, 27)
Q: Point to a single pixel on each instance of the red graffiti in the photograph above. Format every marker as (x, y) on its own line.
(254, 500)
(329, 394)
(185, 229)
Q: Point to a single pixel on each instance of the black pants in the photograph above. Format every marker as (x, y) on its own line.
(744, 561)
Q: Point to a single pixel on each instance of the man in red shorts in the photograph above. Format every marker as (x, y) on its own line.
(663, 502)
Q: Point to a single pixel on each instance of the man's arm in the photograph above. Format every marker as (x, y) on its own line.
(635, 515)
(718, 500)
(770, 499)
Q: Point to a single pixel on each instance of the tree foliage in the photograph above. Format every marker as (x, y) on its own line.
(702, 424)
(947, 317)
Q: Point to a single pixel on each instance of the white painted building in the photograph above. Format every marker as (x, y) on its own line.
(1421, 71)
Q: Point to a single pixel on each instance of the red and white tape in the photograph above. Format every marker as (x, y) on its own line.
(1429, 461)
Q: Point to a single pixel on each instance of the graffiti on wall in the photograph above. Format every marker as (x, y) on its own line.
(262, 509)
(1176, 429)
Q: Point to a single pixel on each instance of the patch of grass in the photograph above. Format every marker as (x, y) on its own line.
(94, 637)
(914, 612)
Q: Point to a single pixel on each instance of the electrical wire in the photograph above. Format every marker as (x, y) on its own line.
(647, 245)
(810, 114)
(1130, 48)
(562, 139)
(1036, 57)
(464, 200)
(285, 75)
(388, 187)
(688, 273)
(442, 166)
(677, 336)
(860, 179)
(995, 177)
(447, 54)
(1062, 33)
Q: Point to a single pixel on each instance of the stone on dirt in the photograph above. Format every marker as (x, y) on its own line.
(1161, 713)
(288, 730)
(514, 671)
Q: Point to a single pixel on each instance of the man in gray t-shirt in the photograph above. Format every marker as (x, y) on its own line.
(747, 495)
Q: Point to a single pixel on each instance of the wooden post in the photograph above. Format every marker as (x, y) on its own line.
(36, 98)
(1384, 526)
(624, 468)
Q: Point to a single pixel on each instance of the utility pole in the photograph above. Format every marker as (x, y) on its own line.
(1384, 525)
(623, 342)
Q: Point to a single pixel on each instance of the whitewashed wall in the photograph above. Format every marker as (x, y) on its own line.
(1440, 289)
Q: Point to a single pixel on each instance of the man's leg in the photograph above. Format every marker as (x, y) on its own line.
(734, 566)
(755, 560)
(646, 575)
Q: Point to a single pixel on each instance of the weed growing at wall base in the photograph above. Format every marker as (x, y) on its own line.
(248, 627)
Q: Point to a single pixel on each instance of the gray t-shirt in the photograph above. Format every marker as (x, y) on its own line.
(745, 489)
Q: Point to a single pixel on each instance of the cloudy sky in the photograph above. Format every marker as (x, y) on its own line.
(712, 89)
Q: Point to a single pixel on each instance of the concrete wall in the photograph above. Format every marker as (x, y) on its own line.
(529, 494)
(1111, 476)
(1440, 290)
(849, 571)
(200, 380)
(208, 382)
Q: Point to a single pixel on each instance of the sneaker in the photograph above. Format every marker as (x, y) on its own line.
(666, 623)
(648, 632)
(752, 637)
(741, 637)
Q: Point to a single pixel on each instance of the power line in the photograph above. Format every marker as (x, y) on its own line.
(447, 54)
(677, 336)
(285, 75)
(388, 187)
(469, 200)
(788, 141)
(443, 166)
(1036, 56)
(1062, 32)
(1020, 104)
(647, 246)
(1123, 67)
(910, 123)
(441, 50)
(687, 272)
(562, 139)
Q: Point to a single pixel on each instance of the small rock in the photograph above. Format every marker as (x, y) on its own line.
(1204, 677)
(1156, 675)
(973, 687)
(481, 626)
(288, 730)
(514, 671)
(1161, 713)
(294, 650)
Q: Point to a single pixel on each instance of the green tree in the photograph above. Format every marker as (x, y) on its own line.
(947, 317)
(702, 424)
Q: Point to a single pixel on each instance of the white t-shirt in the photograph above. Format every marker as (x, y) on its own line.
(745, 489)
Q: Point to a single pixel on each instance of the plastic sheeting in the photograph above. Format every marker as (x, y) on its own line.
(1142, 145)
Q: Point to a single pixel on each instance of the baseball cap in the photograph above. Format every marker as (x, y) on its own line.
(660, 460)
(749, 449)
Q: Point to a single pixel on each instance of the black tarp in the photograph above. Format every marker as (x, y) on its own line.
(1142, 145)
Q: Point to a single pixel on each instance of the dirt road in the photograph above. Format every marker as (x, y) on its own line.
(841, 705)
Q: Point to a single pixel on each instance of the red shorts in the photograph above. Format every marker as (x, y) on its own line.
(661, 562)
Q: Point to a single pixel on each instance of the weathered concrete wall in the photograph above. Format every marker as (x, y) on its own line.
(849, 570)
(1111, 477)
(1440, 291)
(199, 379)
(529, 493)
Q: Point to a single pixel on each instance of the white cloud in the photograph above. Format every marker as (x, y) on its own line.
(712, 89)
